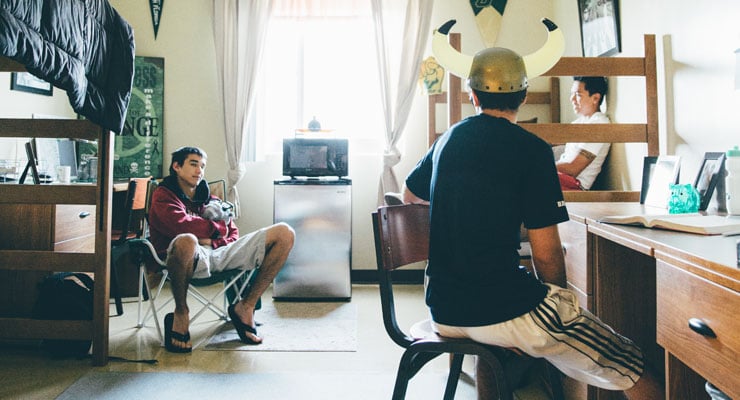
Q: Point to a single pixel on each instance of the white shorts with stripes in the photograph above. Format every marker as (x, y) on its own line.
(247, 252)
(570, 338)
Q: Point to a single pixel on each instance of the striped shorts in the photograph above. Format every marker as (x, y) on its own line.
(570, 338)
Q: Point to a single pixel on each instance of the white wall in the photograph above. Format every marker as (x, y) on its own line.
(697, 100)
(696, 97)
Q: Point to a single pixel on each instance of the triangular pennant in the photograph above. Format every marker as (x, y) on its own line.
(155, 6)
(488, 14)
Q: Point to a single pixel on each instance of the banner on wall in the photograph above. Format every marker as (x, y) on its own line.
(138, 149)
(155, 6)
(488, 15)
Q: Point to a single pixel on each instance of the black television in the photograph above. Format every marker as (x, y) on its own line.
(315, 157)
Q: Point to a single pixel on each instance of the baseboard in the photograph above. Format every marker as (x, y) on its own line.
(410, 276)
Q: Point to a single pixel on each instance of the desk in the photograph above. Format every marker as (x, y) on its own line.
(647, 284)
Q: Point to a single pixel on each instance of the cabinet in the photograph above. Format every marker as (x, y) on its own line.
(648, 284)
(685, 296)
(320, 211)
(41, 232)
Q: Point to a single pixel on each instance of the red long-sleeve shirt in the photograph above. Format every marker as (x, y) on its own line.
(170, 215)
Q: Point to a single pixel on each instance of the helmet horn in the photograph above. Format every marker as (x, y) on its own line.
(548, 55)
(447, 56)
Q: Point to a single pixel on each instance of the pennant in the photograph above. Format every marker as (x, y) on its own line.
(488, 15)
(155, 6)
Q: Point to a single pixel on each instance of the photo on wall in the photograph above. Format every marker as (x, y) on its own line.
(138, 149)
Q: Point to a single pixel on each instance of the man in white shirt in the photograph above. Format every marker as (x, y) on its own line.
(580, 163)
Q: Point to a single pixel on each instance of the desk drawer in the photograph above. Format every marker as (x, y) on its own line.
(682, 296)
(74, 228)
(573, 238)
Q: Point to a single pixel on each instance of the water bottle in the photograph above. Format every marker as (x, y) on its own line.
(732, 181)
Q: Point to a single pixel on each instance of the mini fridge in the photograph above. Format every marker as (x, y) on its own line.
(320, 211)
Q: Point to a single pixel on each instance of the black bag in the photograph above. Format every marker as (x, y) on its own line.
(61, 297)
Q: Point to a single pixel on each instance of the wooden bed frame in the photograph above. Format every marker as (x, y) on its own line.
(556, 132)
(28, 251)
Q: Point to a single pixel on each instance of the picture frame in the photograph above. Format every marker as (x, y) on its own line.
(599, 21)
(26, 82)
(665, 171)
(708, 176)
(648, 166)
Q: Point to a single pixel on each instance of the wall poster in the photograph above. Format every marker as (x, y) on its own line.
(138, 149)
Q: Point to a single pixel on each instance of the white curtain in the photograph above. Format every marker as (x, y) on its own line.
(415, 28)
(239, 30)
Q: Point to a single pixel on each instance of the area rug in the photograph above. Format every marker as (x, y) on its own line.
(264, 386)
(292, 326)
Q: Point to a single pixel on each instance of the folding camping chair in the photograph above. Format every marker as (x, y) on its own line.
(234, 281)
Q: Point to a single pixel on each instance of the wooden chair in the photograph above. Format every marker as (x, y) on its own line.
(129, 226)
(234, 281)
(401, 239)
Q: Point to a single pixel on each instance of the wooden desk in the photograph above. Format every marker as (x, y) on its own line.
(647, 284)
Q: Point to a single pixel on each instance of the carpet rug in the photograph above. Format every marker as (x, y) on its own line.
(292, 326)
(264, 386)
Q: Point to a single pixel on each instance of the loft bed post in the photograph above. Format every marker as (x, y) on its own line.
(651, 96)
(454, 89)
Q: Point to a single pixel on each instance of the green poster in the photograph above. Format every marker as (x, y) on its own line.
(138, 149)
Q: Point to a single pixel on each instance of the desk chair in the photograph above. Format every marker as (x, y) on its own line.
(236, 280)
(402, 238)
(129, 225)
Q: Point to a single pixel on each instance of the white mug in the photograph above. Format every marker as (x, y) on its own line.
(63, 174)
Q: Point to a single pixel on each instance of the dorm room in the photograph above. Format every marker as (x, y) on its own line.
(662, 289)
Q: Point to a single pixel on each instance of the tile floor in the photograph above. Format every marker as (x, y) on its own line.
(26, 373)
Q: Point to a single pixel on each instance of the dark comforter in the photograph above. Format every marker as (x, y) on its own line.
(81, 46)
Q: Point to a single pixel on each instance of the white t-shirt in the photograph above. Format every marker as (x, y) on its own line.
(588, 175)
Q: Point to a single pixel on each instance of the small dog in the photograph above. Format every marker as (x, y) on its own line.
(217, 210)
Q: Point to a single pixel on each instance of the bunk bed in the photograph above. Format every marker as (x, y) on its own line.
(86, 49)
(556, 132)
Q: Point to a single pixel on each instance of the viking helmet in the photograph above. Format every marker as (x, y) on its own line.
(496, 69)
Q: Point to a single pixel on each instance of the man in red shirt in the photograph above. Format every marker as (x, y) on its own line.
(195, 246)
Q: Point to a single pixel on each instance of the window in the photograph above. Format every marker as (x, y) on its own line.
(323, 67)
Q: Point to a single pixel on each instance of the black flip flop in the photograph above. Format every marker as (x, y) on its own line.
(241, 327)
(169, 334)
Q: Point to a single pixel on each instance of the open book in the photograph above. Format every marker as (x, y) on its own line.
(692, 223)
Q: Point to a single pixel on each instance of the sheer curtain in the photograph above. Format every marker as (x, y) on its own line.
(239, 29)
(415, 25)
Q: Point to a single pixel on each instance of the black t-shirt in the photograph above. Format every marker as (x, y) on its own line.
(485, 177)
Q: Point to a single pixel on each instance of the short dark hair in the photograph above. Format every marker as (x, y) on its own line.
(180, 155)
(501, 101)
(594, 84)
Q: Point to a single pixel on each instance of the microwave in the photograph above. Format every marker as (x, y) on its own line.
(315, 157)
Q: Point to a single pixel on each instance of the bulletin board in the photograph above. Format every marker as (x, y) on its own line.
(138, 148)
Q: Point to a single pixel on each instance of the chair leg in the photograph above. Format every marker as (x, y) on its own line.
(454, 376)
(556, 381)
(153, 295)
(115, 290)
(403, 376)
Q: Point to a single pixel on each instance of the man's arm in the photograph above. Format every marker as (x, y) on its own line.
(410, 198)
(547, 255)
(576, 165)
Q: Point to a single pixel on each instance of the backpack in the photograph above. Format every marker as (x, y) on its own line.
(61, 297)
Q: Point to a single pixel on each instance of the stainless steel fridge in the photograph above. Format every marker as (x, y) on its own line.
(320, 211)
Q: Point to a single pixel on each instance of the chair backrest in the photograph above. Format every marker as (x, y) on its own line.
(401, 238)
(218, 188)
(132, 216)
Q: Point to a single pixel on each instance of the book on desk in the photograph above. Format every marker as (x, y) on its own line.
(691, 223)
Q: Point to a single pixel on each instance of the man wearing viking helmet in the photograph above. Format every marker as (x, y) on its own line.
(483, 179)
